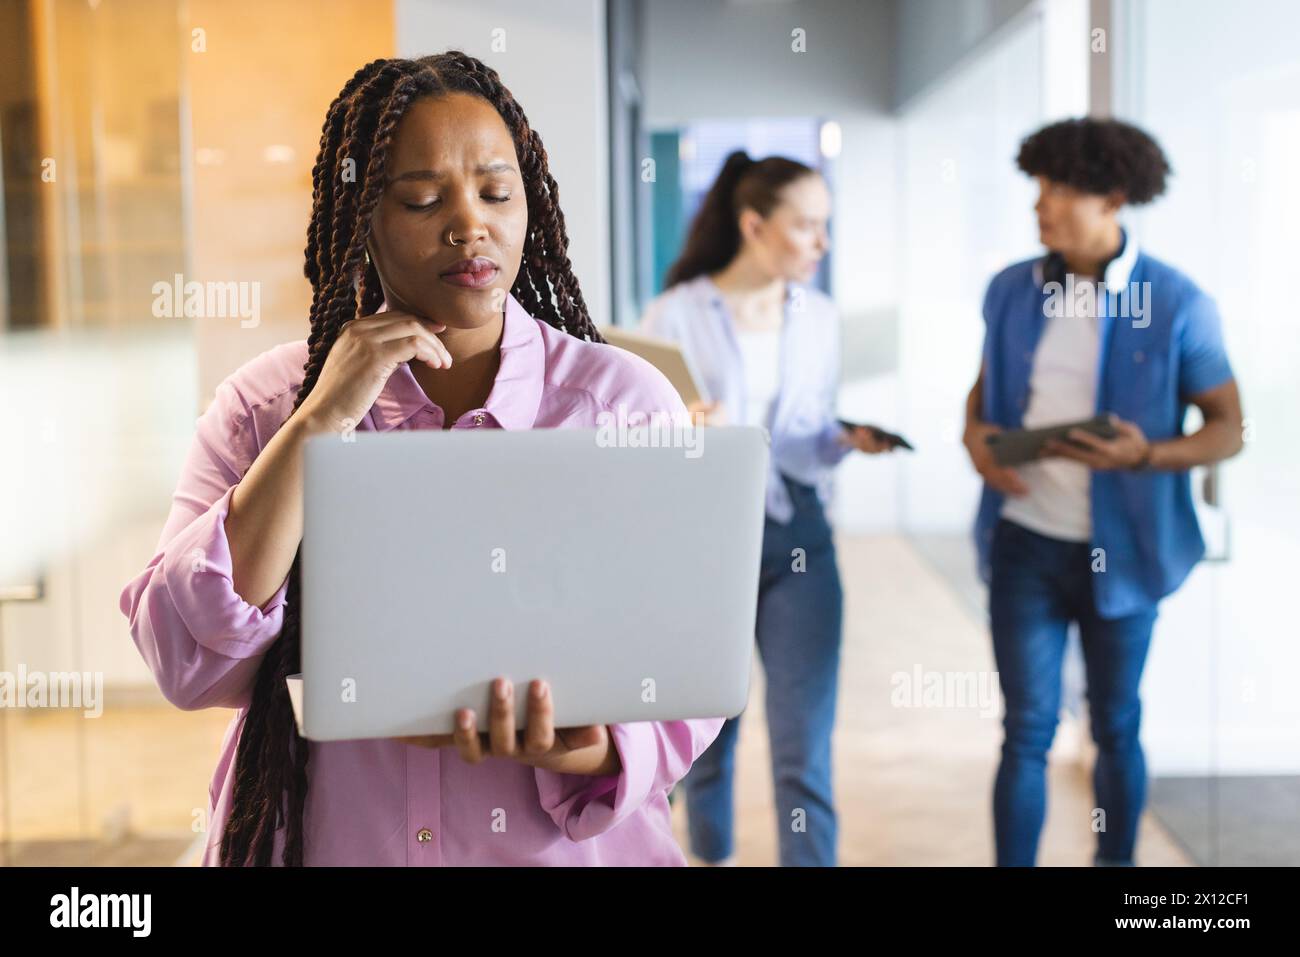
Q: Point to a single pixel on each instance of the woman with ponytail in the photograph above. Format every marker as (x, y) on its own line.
(442, 297)
(766, 343)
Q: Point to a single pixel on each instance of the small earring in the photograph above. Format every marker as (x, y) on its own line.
(367, 257)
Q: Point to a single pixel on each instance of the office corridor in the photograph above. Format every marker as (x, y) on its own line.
(914, 784)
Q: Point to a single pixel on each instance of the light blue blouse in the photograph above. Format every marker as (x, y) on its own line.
(804, 430)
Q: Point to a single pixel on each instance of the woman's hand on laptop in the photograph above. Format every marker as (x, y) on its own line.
(587, 750)
(368, 350)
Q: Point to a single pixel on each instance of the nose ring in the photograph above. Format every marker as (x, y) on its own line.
(451, 238)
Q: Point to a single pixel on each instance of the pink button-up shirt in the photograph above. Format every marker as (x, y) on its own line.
(380, 801)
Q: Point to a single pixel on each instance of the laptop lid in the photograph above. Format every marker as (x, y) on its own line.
(435, 561)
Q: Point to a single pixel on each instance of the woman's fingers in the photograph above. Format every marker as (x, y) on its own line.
(501, 719)
(466, 737)
(427, 349)
(866, 440)
(409, 329)
(539, 735)
(874, 444)
(432, 352)
(502, 740)
(391, 325)
(420, 332)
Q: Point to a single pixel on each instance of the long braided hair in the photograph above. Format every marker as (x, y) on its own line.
(270, 787)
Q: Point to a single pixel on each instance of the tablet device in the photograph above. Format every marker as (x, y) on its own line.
(666, 356)
(895, 441)
(1018, 446)
(434, 561)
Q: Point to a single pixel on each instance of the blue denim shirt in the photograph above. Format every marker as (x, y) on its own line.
(1149, 367)
(805, 434)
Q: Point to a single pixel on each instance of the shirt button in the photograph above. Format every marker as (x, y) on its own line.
(480, 418)
(424, 835)
(1139, 356)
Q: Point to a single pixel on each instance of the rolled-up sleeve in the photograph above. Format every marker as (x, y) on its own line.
(654, 754)
(201, 640)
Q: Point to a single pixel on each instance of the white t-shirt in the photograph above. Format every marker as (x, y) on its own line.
(1062, 388)
(760, 352)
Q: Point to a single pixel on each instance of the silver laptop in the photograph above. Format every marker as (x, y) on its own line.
(432, 562)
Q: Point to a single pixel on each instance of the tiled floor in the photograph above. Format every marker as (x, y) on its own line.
(912, 783)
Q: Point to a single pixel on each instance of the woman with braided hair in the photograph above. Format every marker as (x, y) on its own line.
(442, 297)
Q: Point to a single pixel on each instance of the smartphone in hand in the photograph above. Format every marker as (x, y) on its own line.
(880, 435)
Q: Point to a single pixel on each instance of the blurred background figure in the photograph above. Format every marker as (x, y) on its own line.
(1101, 528)
(160, 139)
(767, 346)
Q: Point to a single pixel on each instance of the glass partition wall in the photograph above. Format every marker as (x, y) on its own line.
(138, 148)
(93, 137)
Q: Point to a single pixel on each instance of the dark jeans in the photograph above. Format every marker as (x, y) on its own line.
(1039, 586)
(800, 614)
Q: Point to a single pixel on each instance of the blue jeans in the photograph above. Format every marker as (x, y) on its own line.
(1039, 586)
(800, 614)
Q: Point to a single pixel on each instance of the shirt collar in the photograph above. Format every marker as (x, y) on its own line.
(516, 393)
(1115, 274)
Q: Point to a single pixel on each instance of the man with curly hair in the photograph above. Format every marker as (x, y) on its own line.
(1098, 530)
